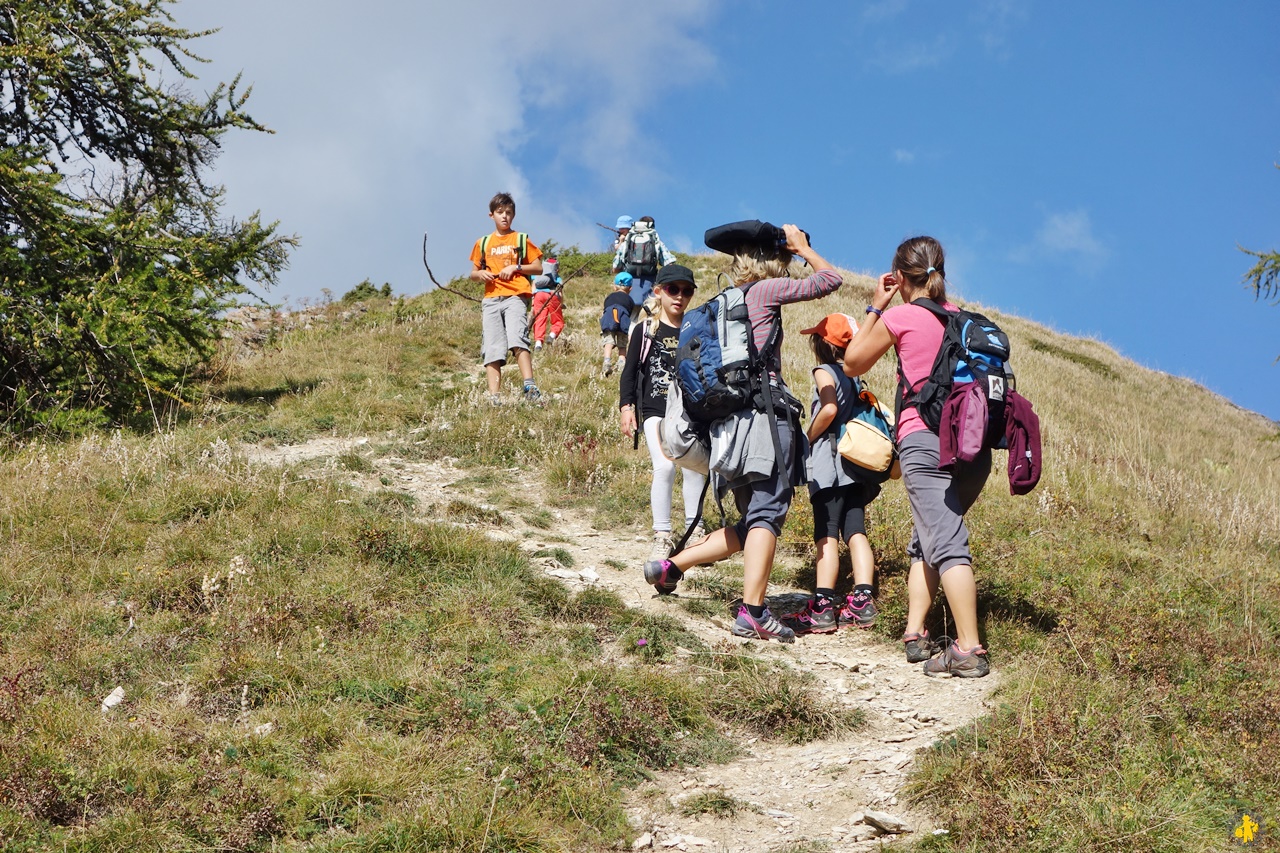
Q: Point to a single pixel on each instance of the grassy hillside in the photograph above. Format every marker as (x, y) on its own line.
(309, 666)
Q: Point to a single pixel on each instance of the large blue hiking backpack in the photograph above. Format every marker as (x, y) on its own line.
(717, 365)
(975, 352)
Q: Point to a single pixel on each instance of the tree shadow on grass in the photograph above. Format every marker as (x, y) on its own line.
(241, 394)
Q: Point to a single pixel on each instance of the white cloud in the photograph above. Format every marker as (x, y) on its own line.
(903, 58)
(996, 19)
(883, 10)
(1065, 236)
(902, 155)
(398, 118)
(1070, 233)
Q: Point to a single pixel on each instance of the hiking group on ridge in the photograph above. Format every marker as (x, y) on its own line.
(704, 385)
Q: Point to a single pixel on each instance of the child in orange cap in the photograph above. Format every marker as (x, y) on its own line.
(839, 497)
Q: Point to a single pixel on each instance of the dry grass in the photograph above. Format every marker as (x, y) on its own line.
(308, 666)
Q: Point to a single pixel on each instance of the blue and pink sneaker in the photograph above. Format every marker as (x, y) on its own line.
(663, 574)
(764, 628)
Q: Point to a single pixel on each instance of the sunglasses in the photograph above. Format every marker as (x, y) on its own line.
(685, 290)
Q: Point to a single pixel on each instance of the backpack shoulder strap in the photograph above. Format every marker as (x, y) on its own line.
(646, 341)
(760, 379)
(771, 342)
(522, 249)
(944, 316)
(905, 392)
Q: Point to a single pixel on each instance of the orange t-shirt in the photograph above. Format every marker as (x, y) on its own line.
(501, 253)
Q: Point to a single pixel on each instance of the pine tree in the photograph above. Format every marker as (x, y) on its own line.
(1264, 276)
(115, 257)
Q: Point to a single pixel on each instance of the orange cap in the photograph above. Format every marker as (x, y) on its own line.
(836, 329)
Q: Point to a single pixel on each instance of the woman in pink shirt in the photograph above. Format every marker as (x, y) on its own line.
(939, 548)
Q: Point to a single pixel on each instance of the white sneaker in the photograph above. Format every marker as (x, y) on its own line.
(662, 545)
(551, 339)
(537, 346)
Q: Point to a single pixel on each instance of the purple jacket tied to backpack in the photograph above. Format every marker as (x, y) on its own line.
(1022, 433)
(963, 432)
(962, 437)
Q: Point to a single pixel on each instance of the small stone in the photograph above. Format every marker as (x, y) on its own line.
(564, 574)
(778, 813)
(112, 699)
(898, 738)
(644, 842)
(886, 822)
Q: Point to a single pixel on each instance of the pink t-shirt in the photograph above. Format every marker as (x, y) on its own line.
(917, 335)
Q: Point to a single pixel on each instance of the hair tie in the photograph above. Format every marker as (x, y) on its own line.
(930, 270)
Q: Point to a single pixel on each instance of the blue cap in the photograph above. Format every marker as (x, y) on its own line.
(622, 279)
(624, 222)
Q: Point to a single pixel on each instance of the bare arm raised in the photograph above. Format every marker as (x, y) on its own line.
(873, 339)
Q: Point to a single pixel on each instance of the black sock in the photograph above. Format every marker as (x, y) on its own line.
(756, 610)
(822, 592)
(863, 588)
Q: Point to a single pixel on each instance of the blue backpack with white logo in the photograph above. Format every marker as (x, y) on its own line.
(717, 364)
(974, 351)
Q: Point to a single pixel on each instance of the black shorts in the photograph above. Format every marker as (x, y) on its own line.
(840, 512)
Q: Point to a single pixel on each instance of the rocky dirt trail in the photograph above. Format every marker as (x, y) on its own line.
(826, 795)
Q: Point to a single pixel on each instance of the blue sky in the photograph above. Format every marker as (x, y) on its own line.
(1091, 166)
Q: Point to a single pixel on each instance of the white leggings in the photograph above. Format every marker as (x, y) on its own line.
(664, 478)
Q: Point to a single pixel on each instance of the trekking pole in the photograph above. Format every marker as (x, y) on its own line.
(433, 276)
(607, 228)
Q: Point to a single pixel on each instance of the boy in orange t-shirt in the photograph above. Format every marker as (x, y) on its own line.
(504, 268)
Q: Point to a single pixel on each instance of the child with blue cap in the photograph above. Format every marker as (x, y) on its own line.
(615, 322)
